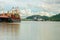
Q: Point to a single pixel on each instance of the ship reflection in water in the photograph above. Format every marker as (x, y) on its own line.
(9, 31)
(30, 30)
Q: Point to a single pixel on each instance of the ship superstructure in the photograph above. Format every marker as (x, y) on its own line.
(13, 16)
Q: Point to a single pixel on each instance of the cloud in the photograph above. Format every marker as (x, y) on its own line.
(50, 7)
(32, 7)
(26, 12)
(52, 1)
(46, 14)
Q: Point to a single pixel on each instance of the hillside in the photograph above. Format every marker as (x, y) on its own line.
(42, 18)
(55, 17)
(37, 18)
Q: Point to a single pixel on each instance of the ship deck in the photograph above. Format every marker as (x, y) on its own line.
(4, 17)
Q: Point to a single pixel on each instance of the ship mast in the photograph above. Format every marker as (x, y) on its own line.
(15, 10)
(12, 10)
(2, 11)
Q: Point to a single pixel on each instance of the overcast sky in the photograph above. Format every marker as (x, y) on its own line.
(32, 6)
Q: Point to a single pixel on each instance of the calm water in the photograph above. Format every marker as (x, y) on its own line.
(30, 30)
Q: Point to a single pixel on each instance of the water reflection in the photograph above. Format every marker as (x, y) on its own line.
(9, 31)
(30, 30)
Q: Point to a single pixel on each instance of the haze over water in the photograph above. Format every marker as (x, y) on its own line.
(30, 30)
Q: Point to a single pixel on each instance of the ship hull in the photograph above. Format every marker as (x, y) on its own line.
(8, 20)
(5, 20)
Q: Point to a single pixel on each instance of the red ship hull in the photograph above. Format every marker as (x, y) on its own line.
(11, 18)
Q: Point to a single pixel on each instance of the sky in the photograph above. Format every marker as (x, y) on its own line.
(32, 7)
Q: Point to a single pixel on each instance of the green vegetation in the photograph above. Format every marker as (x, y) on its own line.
(37, 18)
(42, 18)
(55, 17)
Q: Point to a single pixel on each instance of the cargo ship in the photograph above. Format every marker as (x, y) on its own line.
(12, 16)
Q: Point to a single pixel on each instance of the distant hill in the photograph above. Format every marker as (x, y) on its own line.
(55, 17)
(43, 18)
(37, 18)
